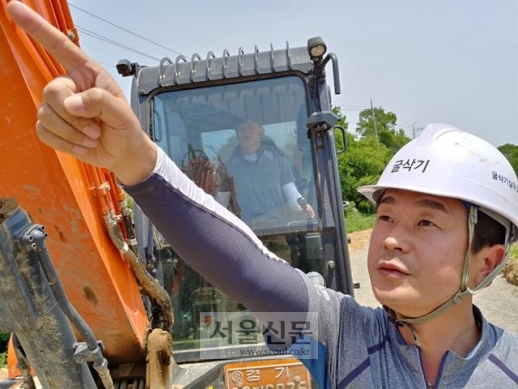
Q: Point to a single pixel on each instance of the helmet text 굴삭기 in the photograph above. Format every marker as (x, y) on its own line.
(444, 161)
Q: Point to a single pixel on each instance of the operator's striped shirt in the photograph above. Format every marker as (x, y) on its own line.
(358, 347)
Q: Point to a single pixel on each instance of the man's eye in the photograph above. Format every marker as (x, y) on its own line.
(426, 223)
(384, 218)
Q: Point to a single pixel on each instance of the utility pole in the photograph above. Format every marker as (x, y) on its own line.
(374, 120)
(416, 130)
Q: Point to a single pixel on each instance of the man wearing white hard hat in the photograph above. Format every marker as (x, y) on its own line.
(447, 210)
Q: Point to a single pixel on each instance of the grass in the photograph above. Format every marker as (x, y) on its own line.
(358, 222)
(3, 359)
(514, 251)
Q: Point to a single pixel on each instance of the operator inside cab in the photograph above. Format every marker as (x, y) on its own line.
(264, 182)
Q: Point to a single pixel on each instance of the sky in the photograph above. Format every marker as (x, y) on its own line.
(453, 61)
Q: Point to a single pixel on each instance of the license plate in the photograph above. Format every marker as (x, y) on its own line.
(270, 374)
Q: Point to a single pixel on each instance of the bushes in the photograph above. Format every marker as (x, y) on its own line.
(357, 221)
(4, 339)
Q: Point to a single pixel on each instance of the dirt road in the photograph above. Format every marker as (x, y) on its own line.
(498, 303)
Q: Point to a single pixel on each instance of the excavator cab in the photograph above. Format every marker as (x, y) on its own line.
(194, 110)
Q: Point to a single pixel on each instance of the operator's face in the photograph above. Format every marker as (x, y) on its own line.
(249, 137)
(417, 251)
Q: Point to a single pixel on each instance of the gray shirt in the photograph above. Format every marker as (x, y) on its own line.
(362, 348)
(258, 183)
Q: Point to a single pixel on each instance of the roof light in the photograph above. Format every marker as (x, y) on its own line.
(316, 48)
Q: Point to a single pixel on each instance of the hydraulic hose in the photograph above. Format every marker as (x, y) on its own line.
(100, 363)
(149, 284)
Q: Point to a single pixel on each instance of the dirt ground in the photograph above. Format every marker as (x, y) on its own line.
(359, 240)
(511, 272)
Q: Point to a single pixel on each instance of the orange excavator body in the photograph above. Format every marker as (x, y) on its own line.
(66, 196)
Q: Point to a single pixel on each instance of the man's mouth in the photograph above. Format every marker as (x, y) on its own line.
(392, 269)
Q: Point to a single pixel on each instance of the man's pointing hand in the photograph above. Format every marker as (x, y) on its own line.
(86, 113)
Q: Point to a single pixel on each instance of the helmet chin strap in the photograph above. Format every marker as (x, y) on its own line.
(464, 290)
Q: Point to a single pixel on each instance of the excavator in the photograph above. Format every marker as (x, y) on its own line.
(92, 294)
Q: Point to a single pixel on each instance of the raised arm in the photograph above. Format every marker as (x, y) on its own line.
(86, 114)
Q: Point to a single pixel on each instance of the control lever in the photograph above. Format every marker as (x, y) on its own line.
(306, 208)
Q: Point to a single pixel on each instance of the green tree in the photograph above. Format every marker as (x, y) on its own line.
(372, 121)
(511, 153)
(361, 164)
(368, 151)
(381, 125)
(394, 139)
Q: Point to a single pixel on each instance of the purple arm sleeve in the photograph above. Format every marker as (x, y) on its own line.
(217, 244)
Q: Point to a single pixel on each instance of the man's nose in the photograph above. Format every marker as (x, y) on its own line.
(393, 242)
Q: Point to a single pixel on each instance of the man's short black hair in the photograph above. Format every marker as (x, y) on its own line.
(488, 232)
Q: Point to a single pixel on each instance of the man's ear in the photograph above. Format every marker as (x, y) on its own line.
(489, 258)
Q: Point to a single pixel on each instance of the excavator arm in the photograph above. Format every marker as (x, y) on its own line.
(71, 199)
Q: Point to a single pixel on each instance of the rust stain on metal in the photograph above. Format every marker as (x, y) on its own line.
(90, 295)
(61, 234)
(32, 188)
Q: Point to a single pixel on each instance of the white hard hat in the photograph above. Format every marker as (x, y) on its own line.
(445, 161)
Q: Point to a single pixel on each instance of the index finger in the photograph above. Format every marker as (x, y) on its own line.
(53, 40)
